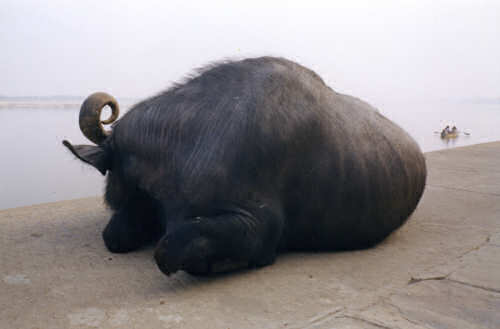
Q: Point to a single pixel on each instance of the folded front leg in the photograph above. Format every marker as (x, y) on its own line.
(232, 239)
(135, 224)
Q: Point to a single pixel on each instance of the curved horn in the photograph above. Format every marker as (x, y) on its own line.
(90, 116)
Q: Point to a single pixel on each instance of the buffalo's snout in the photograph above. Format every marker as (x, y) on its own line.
(165, 263)
(185, 249)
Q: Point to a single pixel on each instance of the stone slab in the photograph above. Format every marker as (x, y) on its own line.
(440, 270)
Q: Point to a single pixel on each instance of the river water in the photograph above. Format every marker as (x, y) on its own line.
(36, 168)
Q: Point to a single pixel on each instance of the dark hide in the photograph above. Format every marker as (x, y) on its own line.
(249, 158)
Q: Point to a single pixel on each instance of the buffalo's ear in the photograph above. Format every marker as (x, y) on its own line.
(93, 155)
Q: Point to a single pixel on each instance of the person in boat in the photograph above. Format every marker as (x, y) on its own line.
(445, 131)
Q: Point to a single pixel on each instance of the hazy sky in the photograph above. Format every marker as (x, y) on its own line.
(377, 50)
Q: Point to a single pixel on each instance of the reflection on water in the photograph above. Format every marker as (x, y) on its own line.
(36, 167)
(452, 141)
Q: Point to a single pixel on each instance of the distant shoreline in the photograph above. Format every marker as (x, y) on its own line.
(38, 105)
(51, 104)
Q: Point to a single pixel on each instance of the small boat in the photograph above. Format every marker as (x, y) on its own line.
(448, 133)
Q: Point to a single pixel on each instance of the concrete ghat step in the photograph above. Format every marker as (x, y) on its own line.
(441, 270)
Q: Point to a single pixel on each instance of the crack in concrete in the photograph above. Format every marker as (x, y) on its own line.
(375, 324)
(431, 278)
(401, 313)
(462, 189)
(318, 319)
(380, 300)
(482, 244)
(456, 266)
(486, 241)
(475, 286)
(446, 277)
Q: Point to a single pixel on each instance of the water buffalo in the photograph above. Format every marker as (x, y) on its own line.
(245, 159)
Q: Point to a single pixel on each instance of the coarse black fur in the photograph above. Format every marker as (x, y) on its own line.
(251, 157)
